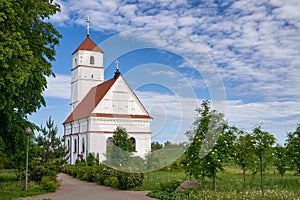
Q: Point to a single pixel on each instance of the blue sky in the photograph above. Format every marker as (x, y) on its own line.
(243, 55)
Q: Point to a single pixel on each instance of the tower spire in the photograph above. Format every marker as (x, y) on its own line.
(88, 21)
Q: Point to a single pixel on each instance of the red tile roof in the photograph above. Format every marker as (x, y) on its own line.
(92, 99)
(88, 45)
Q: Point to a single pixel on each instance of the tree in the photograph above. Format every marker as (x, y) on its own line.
(48, 153)
(27, 48)
(293, 149)
(280, 160)
(211, 143)
(120, 151)
(156, 146)
(263, 142)
(50, 148)
(244, 154)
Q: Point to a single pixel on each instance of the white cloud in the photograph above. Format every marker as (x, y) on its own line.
(255, 44)
(59, 87)
(181, 111)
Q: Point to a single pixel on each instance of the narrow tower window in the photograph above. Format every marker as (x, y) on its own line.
(83, 146)
(75, 62)
(75, 146)
(92, 60)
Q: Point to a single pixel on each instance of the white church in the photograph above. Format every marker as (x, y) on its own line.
(99, 106)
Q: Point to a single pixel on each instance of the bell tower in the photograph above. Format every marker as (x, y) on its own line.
(87, 70)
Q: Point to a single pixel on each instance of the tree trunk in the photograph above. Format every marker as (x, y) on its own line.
(244, 174)
(214, 180)
(261, 174)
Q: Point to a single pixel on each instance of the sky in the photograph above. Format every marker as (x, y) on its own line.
(242, 55)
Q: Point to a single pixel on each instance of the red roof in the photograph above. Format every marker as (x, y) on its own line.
(88, 45)
(92, 99)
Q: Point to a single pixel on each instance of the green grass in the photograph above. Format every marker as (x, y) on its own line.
(152, 180)
(230, 185)
(12, 188)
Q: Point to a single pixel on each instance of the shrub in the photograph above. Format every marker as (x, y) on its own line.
(130, 180)
(48, 184)
(112, 182)
(37, 172)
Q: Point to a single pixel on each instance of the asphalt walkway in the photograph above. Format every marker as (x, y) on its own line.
(74, 189)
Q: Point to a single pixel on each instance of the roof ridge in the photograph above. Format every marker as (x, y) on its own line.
(89, 45)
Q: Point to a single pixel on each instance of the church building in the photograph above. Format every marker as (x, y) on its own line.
(99, 106)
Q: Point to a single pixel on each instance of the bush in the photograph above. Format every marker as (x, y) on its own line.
(37, 172)
(130, 180)
(104, 175)
(112, 182)
(48, 184)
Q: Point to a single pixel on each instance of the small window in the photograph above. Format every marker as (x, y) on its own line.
(109, 141)
(75, 146)
(68, 144)
(92, 60)
(82, 145)
(75, 62)
(133, 144)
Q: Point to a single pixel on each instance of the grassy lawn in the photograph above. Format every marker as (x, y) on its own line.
(230, 185)
(12, 188)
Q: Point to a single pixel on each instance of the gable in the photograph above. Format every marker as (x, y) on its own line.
(112, 98)
(90, 101)
(121, 100)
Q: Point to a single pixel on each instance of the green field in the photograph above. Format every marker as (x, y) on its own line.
(230, 185)
(12, 188)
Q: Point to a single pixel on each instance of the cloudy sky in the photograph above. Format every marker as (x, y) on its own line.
(242, 55)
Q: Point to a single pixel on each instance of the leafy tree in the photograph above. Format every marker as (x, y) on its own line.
(156, 146)
(263, 142)
(244, 154)
(121, 149)
(211, 144)
(280, 160)
(293, 149)
(27, 48)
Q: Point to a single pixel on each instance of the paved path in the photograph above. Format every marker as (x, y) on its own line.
(74, 189)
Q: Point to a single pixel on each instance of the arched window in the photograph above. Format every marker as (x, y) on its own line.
(133, 144)
(82, 146)
(75, 146)
(92, 60)
(75, 62)
(109, 141)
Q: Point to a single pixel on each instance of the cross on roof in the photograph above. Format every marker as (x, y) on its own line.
(88, 21)
(117, 64)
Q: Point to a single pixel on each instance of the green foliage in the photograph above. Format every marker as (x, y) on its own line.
(281, 160)
(120, 150)
(244, 153)
(105, 176)
(37, 172)
(48, 184)
(211, 144)
(293, 149)
(49, 147)
(27, 48)
(12, 188)
(130, 180)
(112, 182)
(156, 146)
